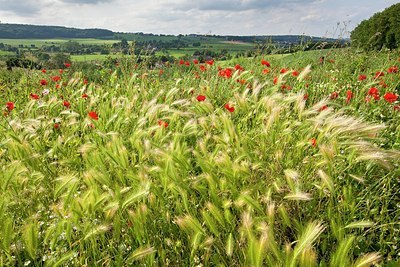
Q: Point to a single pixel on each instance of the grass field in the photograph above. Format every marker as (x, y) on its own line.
(209, 43)
(269, 161)
(216, 47)
(4, 53)
(84, 58)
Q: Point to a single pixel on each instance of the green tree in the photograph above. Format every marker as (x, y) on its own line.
(71, 47)
(382, 30)
(57, 61)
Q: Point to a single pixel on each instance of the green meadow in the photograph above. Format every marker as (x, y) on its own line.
(277, 160)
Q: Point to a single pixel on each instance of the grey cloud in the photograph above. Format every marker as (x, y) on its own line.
(236, 5)
(243, 17)
(90, 2)
(21, 7)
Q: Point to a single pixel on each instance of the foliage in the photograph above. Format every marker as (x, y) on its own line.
(16, 31)
(57, 61)
(382, 30)
(21, 63)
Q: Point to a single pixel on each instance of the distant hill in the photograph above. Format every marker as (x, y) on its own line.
(292, 39)
(23, 31)
(379, 31)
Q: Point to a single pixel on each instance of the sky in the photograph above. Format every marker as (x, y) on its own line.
(324, 18)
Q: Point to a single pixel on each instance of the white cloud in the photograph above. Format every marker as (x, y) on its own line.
(93, 2)
(310, 17)
(235, 17)
(21, 7)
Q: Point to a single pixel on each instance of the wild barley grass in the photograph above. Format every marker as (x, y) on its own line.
(280, 181)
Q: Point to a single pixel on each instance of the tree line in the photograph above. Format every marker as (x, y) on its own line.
(380, 31)
(22, 31)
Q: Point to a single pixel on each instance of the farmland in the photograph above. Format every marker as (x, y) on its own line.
(265, 161)
(99, 45)
(89, 49)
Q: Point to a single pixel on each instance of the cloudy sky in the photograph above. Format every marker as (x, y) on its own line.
(327, 18)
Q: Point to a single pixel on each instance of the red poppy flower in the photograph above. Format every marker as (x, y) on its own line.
(285, 86)
(43, 82)
(227, 72)
(265, 71)
(295, 73)
(362, 77)
(44, 70)
(313, 142)
(229, 108)
(238, 67)
(201, 98)
(67, 64)
(66, 104)
(305, 97)
(373, 91)
(241, 81)
(390, 97)
(195, 61)
(85, 81)
(265, 63)
(379, 74)
(93, 115)
(56, 126)
(283, 70)
(202, 68)
(10, 106)
(376, 97)
(393, 69)
(34, 96)
(163, 123)
(349, 96)
(210, 62)
(334, 95)
(85, 96)
(275, 80)
(383, 84)
(56, 78)
(323, 107)
(61, 71)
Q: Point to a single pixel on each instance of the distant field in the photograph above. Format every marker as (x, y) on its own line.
(219, 46)
(209, 43)
(83, 58)
(41, 42)
(231, 46)
(4, 53)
